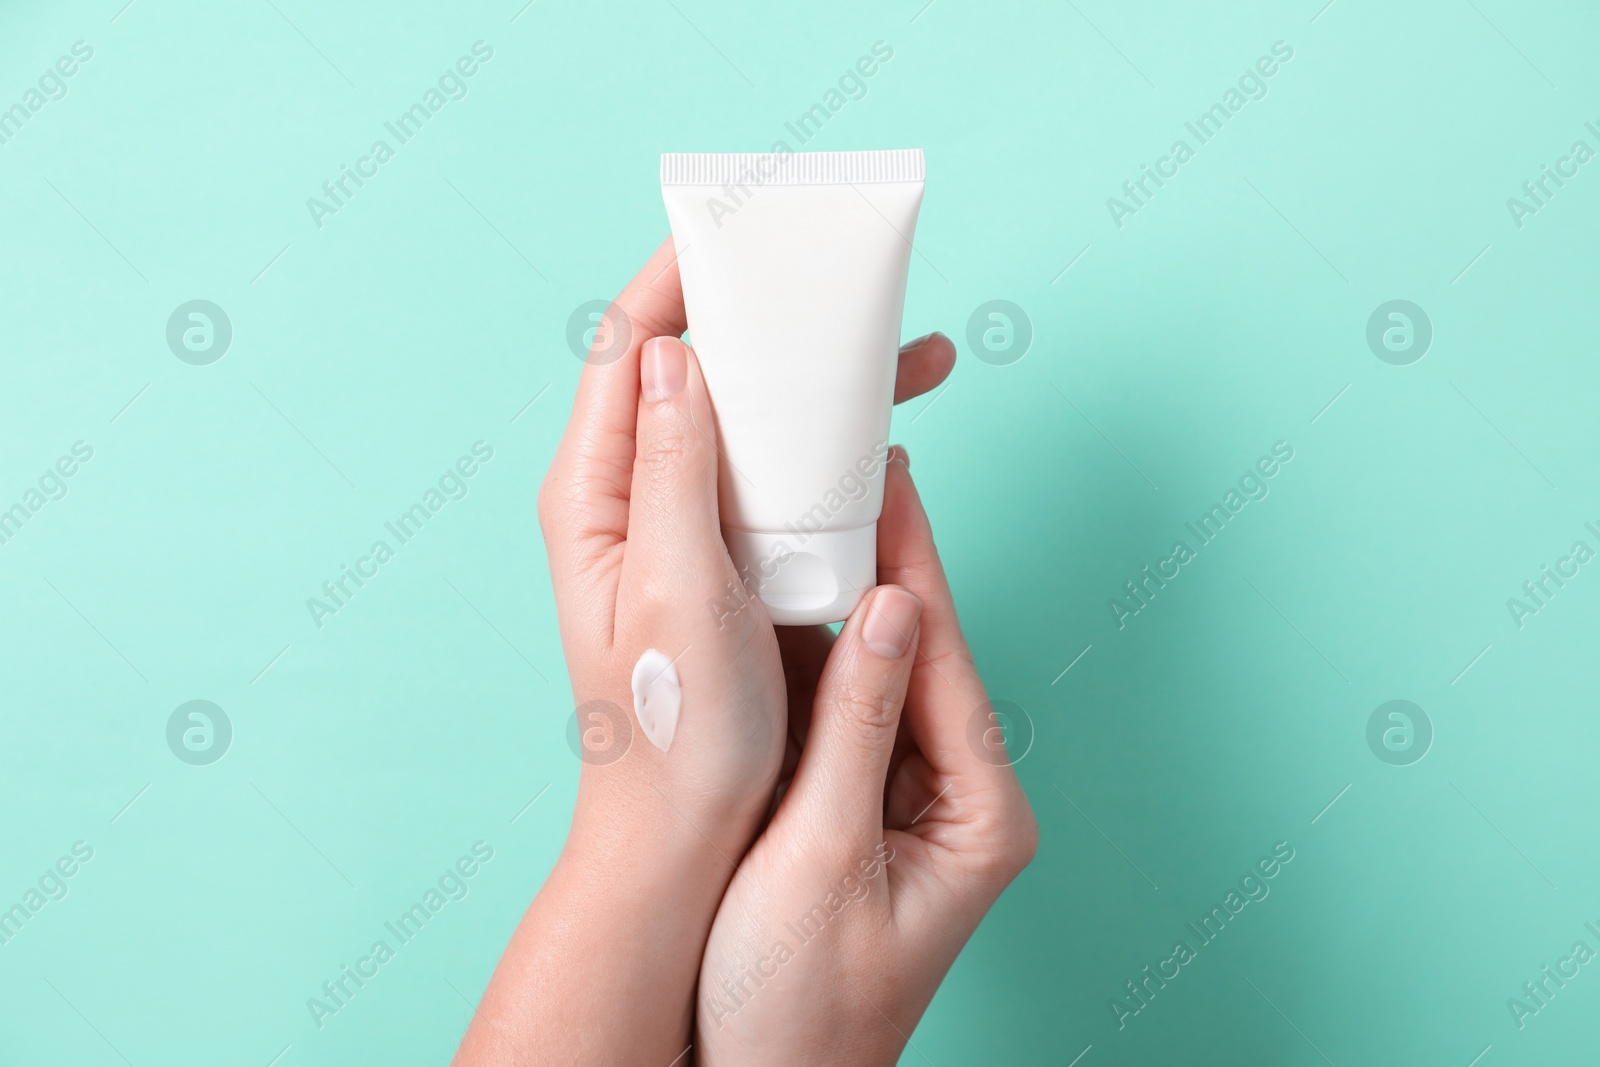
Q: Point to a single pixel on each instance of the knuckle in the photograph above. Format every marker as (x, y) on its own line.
(1024, 843)
(674, 436)
(920, 570)
(563, 496)
(665, 593)
(868, 707)
(673, 592)
(957, 657)
(548, 506)
(1014, 839)
(665, 449)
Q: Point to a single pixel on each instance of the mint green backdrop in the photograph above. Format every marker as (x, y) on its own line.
(1172, 340)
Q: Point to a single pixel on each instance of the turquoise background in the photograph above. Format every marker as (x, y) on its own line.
(1222, 317)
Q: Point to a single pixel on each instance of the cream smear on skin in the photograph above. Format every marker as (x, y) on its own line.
(657, 696)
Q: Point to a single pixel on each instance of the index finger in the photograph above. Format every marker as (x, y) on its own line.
(584, 500)
(945, 692)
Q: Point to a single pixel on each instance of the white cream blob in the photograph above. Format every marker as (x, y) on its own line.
(656, 697)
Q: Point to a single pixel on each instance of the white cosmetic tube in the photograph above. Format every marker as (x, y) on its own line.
(794, 279)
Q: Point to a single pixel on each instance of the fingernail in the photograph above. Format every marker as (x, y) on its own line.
(663, 368)
(898, 454)
(915, 341)
(891, 619)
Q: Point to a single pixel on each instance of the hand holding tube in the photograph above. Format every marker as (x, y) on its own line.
(602, 968)
(890, 844)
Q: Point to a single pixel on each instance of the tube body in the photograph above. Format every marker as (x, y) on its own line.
(794, 278)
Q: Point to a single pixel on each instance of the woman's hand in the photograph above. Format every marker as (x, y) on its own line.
(602, 968)
(630, 514)
(896, 835)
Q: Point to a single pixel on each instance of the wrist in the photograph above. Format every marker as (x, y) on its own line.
(652, 890)
(621, 919)
(662, 820)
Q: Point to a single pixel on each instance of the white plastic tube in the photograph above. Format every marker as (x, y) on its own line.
(794, 278)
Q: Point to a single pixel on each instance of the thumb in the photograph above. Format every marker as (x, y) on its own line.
(674, 533)
(838, 785)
